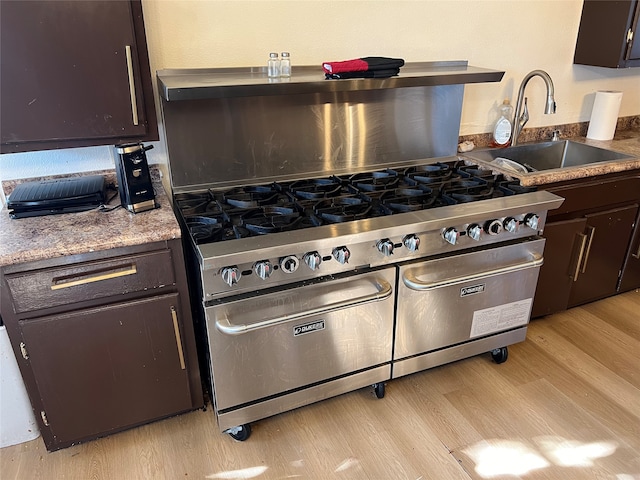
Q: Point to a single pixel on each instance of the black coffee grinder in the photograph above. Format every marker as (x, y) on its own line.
(134, 179)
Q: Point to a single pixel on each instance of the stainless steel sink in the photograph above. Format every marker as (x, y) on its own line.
(550, 155)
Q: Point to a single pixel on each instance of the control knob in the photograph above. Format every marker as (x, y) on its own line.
(341, 254)
(510, 224)
(412, 242)
(289, 264)
(451, 235)
(493, 227)
(531, 220)
(231, 275)
(474, 231)
(263, 269)
(385, 247)
(313, 260)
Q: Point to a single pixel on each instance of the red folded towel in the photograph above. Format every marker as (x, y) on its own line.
(362, 64)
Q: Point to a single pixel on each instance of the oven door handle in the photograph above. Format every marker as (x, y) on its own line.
(383, 291)
(414, 284)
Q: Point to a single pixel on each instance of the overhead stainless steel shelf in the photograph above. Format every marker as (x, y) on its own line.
(192, 84)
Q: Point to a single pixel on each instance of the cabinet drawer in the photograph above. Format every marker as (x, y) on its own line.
(57, 286)
(601, 194)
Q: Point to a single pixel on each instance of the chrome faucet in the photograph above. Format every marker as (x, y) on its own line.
(520, 119)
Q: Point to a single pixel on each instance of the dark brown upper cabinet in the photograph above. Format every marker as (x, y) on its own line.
(74, 74)
(608, 35)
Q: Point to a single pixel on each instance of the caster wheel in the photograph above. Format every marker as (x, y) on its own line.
(500, 355)
(378, 388)
(240, 433)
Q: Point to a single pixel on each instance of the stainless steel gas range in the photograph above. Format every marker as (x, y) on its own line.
(333, 245)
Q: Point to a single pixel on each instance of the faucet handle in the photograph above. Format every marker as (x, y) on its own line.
(555, 135)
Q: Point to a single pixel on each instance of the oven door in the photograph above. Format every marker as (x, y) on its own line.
(463, 298)
(284, 341)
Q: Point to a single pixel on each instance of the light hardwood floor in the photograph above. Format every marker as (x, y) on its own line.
(566, 405)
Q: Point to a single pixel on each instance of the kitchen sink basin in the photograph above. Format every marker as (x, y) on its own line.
(548, 155)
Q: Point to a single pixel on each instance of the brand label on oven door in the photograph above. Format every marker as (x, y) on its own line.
(465, 291)
(308, 328)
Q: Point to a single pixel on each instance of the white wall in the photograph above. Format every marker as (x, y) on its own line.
(516, 36)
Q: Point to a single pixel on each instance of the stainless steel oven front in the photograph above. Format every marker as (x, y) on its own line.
(457, 306)
(277, 351)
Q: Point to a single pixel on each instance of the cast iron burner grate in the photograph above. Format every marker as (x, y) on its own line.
(240, 212)
(213, 229)
(253, 196)
(270, 219)
(314, 189)
(342, 209)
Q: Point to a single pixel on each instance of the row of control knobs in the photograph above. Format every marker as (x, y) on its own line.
(492, 227)
(289, 264)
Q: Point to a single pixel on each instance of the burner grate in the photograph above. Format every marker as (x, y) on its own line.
(284, 206)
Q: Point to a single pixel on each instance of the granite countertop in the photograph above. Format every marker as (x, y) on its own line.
(39, 238)
(627, 141)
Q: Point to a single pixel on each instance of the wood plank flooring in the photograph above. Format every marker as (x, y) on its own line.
(566, 405)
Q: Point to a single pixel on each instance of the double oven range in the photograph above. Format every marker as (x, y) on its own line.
(309, 286)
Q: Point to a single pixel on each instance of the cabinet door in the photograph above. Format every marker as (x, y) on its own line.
(104, 369)
(74, 73)
(608, 236)
(565, 241)
(608, 35)
(631, 271)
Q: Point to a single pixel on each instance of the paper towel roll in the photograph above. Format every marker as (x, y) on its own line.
(604, 115)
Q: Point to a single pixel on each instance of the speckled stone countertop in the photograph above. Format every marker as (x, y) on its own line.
(627, 141)
(39, 238)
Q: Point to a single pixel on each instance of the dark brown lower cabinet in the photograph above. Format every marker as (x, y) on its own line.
(593, 242)
(607, 238)
(104, 340)
(561, 252)
(103, 368)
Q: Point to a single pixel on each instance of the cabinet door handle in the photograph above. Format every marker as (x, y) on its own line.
(590, 234)
(637, 254)
(583, 243)
(83, 279)
(132, 85)
(176, 329)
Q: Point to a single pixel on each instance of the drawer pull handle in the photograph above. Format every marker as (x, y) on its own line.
(592, 232)
(176, 329)
(74, 281)
(583, 243)
(132, 85)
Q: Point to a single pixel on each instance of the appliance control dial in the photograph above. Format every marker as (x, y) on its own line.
(493, 227)
(474, 231)
(313, 260)
(341, 254)
(231, 275)
(451, 235)
(510, 224)
(531, 220)
(385, 247)
(263, 269)
(412, 242)
(289, 264)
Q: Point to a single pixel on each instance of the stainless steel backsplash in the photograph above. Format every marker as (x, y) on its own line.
(253, 139)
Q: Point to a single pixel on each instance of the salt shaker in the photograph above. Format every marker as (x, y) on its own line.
(273, 66)
(285, 65)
